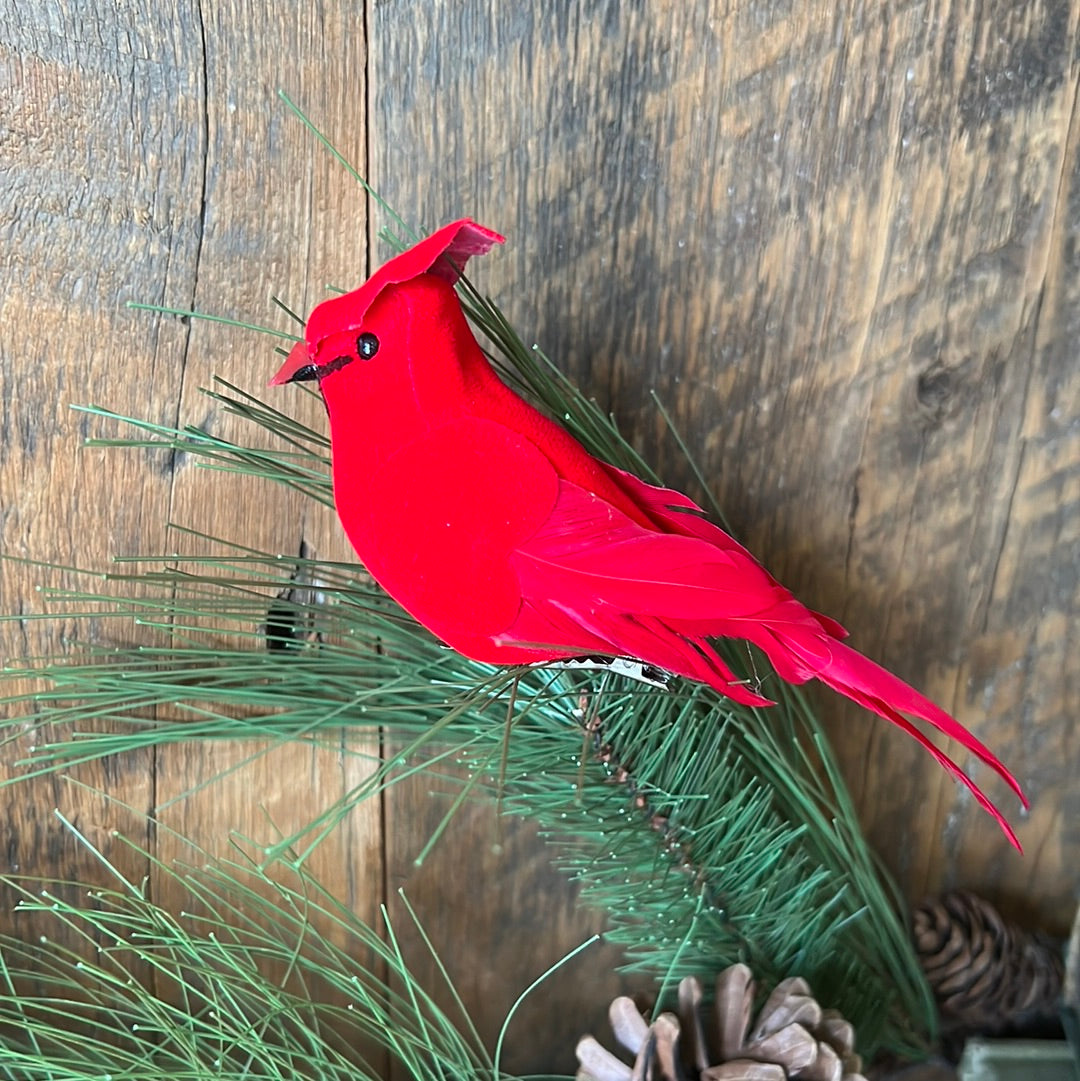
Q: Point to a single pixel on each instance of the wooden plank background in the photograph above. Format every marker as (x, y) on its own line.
(840, 240)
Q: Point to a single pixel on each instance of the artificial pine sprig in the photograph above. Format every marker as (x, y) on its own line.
(262, 975)
(759, 858)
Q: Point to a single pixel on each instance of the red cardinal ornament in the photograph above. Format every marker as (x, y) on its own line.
(502, 535)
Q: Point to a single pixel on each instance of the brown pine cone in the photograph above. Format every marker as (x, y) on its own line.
(987, 974)
(792, 1038)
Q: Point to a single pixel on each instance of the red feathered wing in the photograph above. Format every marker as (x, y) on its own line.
(659, 596)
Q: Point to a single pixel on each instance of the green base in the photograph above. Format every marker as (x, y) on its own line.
(1018, 1060)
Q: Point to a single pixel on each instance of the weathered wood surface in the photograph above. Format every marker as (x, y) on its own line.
(840, 241)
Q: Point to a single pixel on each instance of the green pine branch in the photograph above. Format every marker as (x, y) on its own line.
(723, 841)
(708, 832)
(261, 975)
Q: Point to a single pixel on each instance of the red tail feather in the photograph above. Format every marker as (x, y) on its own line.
(877, 689)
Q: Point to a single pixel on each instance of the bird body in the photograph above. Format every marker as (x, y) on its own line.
(500, 533)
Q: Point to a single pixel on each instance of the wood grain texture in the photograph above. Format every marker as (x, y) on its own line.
(152, 161)
(835, 239)
(92, 188)
(499, 915)
(265, 197)
(841, 241)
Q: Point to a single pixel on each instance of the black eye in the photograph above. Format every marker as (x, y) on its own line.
(367, 345)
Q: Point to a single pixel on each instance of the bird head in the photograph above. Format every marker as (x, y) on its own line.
(408, 300)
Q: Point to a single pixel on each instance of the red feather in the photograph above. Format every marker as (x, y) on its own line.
(500, 533)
